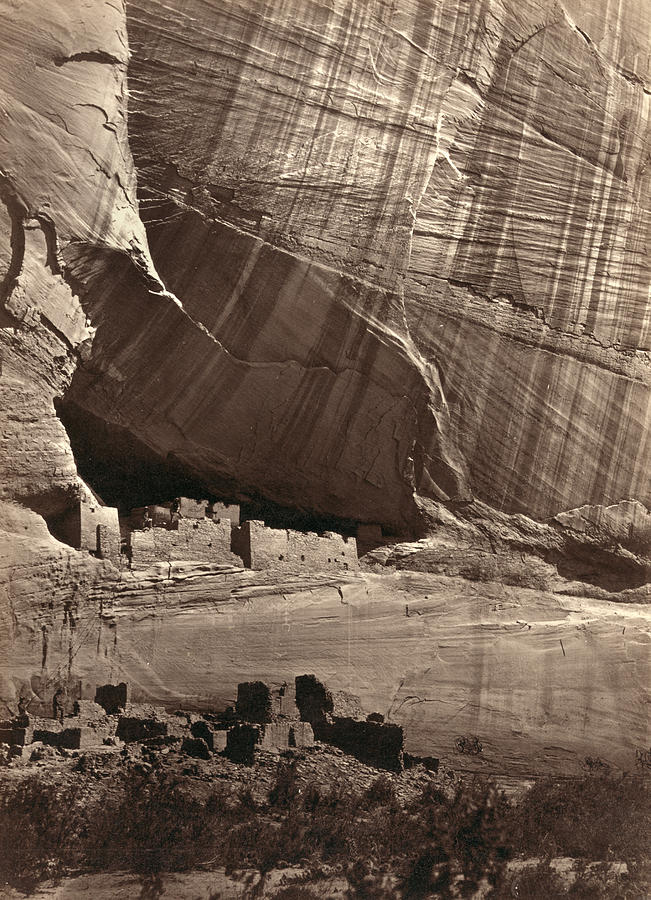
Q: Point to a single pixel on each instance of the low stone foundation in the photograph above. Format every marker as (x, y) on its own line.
(373, 742)
(131, 728)
(284, 735)
(15, 736)
(241, 743)
(376, 744)
(113, 698)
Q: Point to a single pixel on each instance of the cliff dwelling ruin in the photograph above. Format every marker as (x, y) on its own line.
(184, 529)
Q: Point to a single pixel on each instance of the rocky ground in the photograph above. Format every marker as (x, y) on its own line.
(275, 790)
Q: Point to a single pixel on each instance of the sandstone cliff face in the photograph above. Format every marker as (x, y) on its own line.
(66, 178)
(541, 679)
(412, 241)
(384, 254)
(401, 249)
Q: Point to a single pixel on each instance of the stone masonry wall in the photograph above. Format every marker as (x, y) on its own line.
(225, 511)
(80, 527)
(291, 551)
(92, 515)
(201, 540)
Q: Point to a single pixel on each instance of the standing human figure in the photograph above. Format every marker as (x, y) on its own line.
(59, 704)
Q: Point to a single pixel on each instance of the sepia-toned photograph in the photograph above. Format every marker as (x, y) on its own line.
(325, 449)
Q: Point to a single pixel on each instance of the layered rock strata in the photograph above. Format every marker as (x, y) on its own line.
(386, 256)
(422, 228)
(401, 249)
(539, 679)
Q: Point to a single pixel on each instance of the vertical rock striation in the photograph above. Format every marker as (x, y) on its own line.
(422, 228)
(401, 248)
(66, 178)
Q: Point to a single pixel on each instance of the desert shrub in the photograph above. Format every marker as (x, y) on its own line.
(643, 759)
(367, 882)
(380, 793)
(595, 765)
(296, 892)
(153, 826)
(465, 838)
(286, 788)
(594, 816)
(585, 881)
(469, 744)
(247, 805)
(444, 842)
(39, 823)
(145, 824)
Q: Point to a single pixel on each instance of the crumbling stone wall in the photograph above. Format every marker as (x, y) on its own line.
(284, 735)
(372, 742)
(13, 734)
(230, 511)
(368, 537)
(113, 698)
(93, 527)
(241, 742)
(134, 728)
(156, 515)
(285, 550)
(191, 509)
(313, 699)
(202, 540)
(108, 544)
(254, 702)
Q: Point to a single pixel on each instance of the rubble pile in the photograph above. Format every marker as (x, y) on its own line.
(292, 716)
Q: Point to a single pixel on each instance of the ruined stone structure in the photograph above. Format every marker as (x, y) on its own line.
(112, 697)
(224, 511)
(90, 525)
(285, 550)
(368, 537)
(256, 723)
(373, 742)
(254, 702)
(241, 742)
(269, 720)
(201, 540)
(191, 509)
(197, 530)
(284, 735)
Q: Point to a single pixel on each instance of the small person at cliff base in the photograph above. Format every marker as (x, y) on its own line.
(22, 719)
(58, 704)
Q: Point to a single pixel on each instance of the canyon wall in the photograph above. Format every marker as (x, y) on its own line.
(541, 679)
(354, 258)
(412, 237)
(382, 252)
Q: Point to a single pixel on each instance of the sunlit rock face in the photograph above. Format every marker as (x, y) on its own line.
(401, 248)
(66, 177)
(541, 680)
(382, 254)
(397, 250)
(413, 239)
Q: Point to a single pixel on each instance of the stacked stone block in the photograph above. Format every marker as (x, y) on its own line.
(196, 540)
(284, 550)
